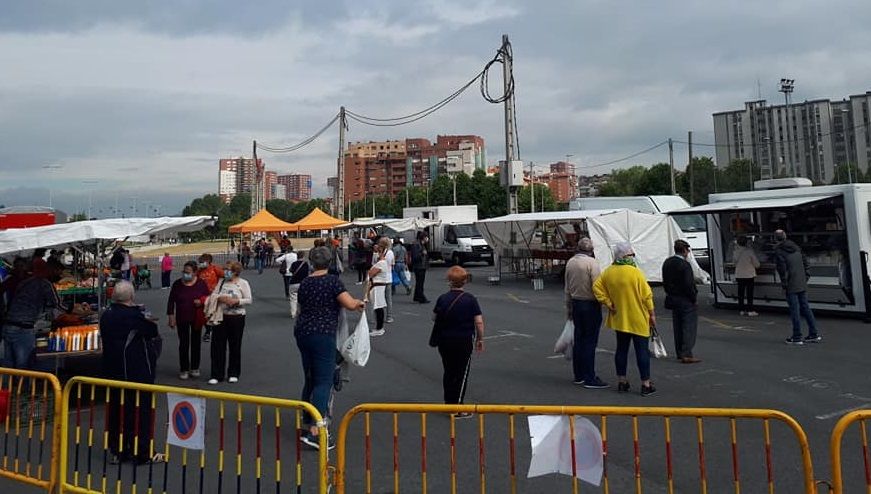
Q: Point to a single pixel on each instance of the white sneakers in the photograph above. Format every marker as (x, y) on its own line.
(195, 373)
(183, 376)
(213, 381)
(233, 380)
(376, 332)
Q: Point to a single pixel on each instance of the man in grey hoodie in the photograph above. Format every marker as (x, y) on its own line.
(792, 267)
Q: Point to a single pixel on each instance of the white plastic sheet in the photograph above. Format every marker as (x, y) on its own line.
(550, 437)
(81, 232)
(651, 235)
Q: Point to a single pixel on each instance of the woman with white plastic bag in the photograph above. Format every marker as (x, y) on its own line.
(321, 297)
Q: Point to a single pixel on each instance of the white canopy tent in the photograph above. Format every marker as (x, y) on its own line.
(651, 235)
(398, 225)
(88, 232)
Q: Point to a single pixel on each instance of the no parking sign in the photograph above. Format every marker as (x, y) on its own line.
(187, 419)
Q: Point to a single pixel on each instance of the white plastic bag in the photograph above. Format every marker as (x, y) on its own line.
(566, 340)
(656, 346)
(356, 348)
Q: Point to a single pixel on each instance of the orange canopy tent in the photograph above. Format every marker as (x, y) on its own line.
(263, 221)
(316, 220)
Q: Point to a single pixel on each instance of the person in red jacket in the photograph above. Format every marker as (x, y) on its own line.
(210, 274)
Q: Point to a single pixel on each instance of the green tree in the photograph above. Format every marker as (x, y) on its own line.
(542, 197)
(623, 182)
(489, 195)
(656, 180)
(738, 176)
(704, 178)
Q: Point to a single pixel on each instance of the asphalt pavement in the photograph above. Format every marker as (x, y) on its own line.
(745, 364)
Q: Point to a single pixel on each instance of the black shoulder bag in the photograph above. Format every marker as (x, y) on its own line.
(435, 335)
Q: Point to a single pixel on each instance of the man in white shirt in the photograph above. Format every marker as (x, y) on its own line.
(284, 261)
(385, 244)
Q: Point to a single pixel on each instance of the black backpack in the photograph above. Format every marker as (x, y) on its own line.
(117, 260)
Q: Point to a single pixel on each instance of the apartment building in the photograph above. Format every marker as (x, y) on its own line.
(298, 187)
(807, 139)
(236, 176)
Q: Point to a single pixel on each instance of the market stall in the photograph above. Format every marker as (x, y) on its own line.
(262, 222)
(75, 333)
(316, 220)
(395, 225)
(537, 244)
(830, 224)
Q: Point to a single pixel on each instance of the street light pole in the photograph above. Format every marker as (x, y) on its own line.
(50, 167)
(531, 187)
(90, 183)
(786, 87)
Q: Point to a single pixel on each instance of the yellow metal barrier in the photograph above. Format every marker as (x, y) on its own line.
(28, 428)
(682, 432)
(860, 417)
(93, 429)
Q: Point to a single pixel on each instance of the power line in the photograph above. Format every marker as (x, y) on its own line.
(633, 155)
(301, 144)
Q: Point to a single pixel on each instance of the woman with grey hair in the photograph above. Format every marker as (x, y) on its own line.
(623, 289)
(321, 297)
(130, 351)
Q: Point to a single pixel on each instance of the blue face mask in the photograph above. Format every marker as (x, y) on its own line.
(187, 276)
(228, 274)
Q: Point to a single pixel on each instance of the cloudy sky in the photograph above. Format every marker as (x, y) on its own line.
(123, 102)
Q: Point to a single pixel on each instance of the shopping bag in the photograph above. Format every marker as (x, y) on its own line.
(656, 346)
(407, 276)
(396, 279)
(566, 340)
(356, 348)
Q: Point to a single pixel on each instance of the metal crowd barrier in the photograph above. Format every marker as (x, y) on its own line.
(859, 418)
(29, 406)
(659, 449)
(245, 436)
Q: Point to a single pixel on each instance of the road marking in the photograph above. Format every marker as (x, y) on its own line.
(560, 356)
(838, 413)
(722, 325)
(507, 334)
(598, 350)
(516, 298)
(703, 372)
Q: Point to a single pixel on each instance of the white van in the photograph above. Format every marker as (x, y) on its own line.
(693, 225)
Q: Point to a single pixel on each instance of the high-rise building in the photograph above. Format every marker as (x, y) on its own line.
(562, 181)
(298, 187)
(270, 178)
(236, 176)
(277, 191)
(807, 139)
(388, 167)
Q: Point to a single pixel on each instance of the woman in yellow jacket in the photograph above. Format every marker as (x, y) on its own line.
(623, 289)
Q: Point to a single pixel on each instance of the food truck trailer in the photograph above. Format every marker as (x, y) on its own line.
(830, 224)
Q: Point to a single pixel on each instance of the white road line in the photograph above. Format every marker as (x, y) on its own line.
(506, 334)
(838, 413)
(702, 373)
(516, 298)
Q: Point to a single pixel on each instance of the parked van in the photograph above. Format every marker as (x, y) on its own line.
(693, 225)
(456, 240)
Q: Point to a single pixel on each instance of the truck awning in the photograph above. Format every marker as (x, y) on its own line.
(752, 204)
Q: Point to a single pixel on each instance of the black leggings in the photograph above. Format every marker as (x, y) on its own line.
(745, 286)
(227, 338)
(379, 318)
(188, 346)
(456, 356)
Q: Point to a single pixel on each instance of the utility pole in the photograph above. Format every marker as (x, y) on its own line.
(257, 193)
(691, 168)
(671, 163)
(510, 137)
(406, 196)
(340, 165)
(532, 187)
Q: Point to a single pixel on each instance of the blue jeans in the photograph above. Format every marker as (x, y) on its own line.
(798, 306)
(587, 317)
(400, 268)
(318, 353)
(642, 354)
(19, 344)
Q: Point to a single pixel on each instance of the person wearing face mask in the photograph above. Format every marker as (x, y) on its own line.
(623, 289)
(186, 297)
(233, 294)
(210, 274)
(34, 296)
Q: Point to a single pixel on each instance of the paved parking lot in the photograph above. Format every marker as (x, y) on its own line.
(745, 364)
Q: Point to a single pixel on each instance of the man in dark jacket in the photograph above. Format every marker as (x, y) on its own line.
(130, 353)
(792, 267)
(419, 263)
(680, 296)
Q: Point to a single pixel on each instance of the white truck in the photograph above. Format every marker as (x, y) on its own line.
(456, 239)
(693, 225)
